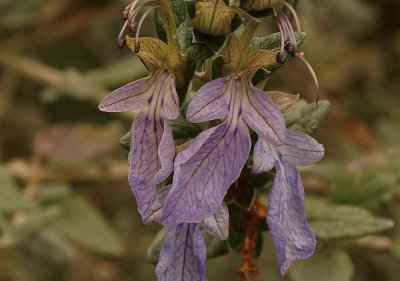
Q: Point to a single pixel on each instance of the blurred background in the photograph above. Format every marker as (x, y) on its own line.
(66, 209)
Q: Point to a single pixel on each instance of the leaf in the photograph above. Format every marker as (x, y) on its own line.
(35, 222)
(271, 42)
(11, 199)
(183, 130)
(215, 247)
(153, 252)
(199, 51)
(306, 117)
(237, 228)
(52, 247)
(52, 192)
(330, 221)
(369, 190)
(83, 224)
(324, 265)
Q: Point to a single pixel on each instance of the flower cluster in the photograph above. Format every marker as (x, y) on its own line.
(187, 192)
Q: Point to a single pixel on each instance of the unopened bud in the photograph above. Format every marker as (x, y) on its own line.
(213, 17)
(258, 5)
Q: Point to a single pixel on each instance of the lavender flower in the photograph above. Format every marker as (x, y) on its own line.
(204, 171)
(155, 98)
(286, 215)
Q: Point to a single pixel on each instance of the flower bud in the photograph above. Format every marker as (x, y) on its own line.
(258, 5)
(213, 17)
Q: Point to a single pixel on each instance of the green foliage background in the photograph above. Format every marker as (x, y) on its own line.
(66, 210)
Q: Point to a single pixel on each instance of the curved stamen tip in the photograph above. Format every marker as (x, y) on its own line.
(137, 46)
(314, 76)
(121, 42)
(133, 27)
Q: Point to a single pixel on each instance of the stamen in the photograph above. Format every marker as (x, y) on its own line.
(289, 29)
(283, 36)
(301, 57)
(293, 13)
(121, 38)
(137, 44)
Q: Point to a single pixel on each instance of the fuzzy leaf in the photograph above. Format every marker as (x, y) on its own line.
(329, 221)
(84, 225)
(324, 265)
(306, 117)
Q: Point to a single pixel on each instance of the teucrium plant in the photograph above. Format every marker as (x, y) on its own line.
(207, 68)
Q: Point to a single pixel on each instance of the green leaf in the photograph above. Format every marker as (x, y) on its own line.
(198, 51)
(52, 192)
(183, 130)
(215, 247)
(11, 199)
(83, 224)
(125, 141)
(306, 117)
(271, 42)
(330, 221)
(33, 223)
(52, 247)
(237, 228)
(369, 190)
(324, 265)
(153, 252)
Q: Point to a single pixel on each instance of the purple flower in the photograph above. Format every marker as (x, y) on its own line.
(183, 255)
(286, 217)
(155, 99)
(204, 171)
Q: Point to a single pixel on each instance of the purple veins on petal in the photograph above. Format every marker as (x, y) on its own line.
(300, 149)
(155, 212)
(210, 102)
(286, 218)
(264, 157)
(170, 101)
(262, 115)
(218, 223)
(183, 255)
(150, 158)
(132, 96)
(204, 171)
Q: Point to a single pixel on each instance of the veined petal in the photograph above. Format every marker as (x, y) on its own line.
(183, 255)
(286, 218)
(132, 96)
(265, 155)
(155, 212)
(171, 101)
(146, 135)
(263, 116)
(210, 102)
(166, 153)
(258, 59)
(204, 173)
(218, 223)
(300, 149)
(152, 51)
(283, 100)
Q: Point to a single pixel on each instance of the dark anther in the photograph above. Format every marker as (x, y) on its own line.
(125, 15)
(279, 57)
(290, 49)
(133, 27)
(121, 42)
(137, 47)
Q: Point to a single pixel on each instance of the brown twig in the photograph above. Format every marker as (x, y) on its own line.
(256, 213)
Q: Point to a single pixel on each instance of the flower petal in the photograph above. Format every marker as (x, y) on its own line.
(132, 96)
(152, 51)
(171, 101)
(300, 149)
(183, 255)
(286, 218)
(204, 171)
(218, 223)
(155, 212)
(259, 59)
(283, 100)
(210, 102)
(166, 153)
(146, 135)
(263, 116)
(265, 155)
